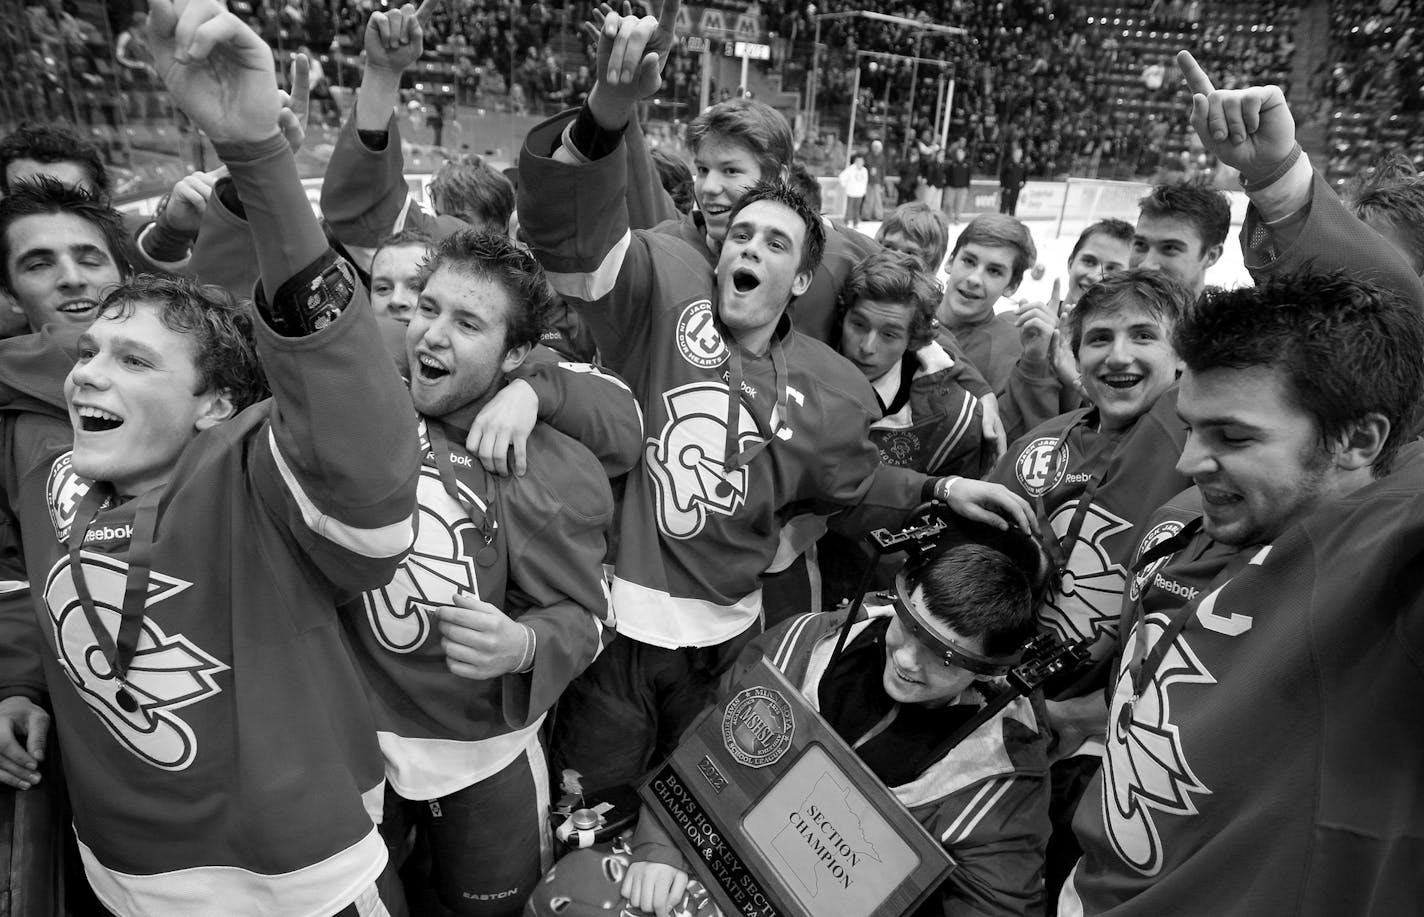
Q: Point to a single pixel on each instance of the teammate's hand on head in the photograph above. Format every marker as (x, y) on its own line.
(992, 425)
(1250, 129)
(502, 427)
(188, 201)
(991, 504)
(395, 38)
(479, 640)
(631, 53)
(218, 71)
(654, 887)
(24, 730)
(1036, 322)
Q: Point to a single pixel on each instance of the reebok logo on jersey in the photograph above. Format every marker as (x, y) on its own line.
(1166, 585)
(1036, 463)
(103, 534)
(1155, 536)
(698, 339)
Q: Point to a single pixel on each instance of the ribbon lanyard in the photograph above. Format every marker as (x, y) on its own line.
(1061, 550)
(740, 459)
(489, 525)
(140, 555)
(1144, 665)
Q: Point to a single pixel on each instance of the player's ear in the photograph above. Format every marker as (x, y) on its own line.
(514, 357)
(214, 407)
(1360, 444)
(1212, 254)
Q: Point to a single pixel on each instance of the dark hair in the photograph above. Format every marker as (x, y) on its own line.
(220, 326)
(923, 225)
(44, 195)
(1120, 230)
(894, 277)
(471, 189)
(49, 143)
(998, 230)
(809, 186)
(755, 125)
(495, 257)
(1394, 196)
(675, 177)
(1205, 208)
(779, 192)
(978, 591)
(1343, 348)
(401, 239)
(1159, 295)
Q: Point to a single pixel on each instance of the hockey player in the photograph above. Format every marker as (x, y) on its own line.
(1239, 646)
(1297, 392)
(988, 261)
(1095, 476)
(894, 694)
(1045, 379)
(504, 584)
(1180, 231)
(61, 250)
(195, 669)
(744, 415)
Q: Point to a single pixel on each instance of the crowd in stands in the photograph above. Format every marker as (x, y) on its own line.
(337, 541)
(1371, 86)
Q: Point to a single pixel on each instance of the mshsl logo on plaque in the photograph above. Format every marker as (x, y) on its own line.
(757, 727)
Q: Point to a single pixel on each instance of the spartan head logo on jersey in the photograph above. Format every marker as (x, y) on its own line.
(439, 564)
(1146, 774)
(65, 489)
(686, 461)
(1155, 536)
(1035, 464)
(698, 339)
(1089, 597)
(168, 671)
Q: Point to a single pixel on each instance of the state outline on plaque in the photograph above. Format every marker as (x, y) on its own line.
(802, 850)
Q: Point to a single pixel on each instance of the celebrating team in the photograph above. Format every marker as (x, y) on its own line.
(317, 588)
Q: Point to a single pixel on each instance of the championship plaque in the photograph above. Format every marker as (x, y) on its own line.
(779, 817)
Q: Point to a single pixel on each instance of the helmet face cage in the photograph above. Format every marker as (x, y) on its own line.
(951, 653)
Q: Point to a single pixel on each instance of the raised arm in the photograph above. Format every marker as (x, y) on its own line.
(364, 196)
(1295, 222)
(573, 192)
(336, 396)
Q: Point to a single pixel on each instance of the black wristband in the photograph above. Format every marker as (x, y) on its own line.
(311, 299)
(374, 141)
(593, 141)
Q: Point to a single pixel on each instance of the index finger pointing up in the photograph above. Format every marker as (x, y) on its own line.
(426, 10)
(667, 16)
(1197, 80)
(1055, 301)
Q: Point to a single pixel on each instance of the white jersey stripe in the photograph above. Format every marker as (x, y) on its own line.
(982, 803)
(589, 286)
(384, 541)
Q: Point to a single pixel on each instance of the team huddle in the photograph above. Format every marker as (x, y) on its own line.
(335, 548)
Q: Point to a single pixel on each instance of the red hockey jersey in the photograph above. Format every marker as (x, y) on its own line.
(531, 545)
(247, 777)
(1270, 763)
(1135, 473)
(693, 537)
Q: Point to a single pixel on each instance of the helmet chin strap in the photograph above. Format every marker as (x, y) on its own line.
(916, 621)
